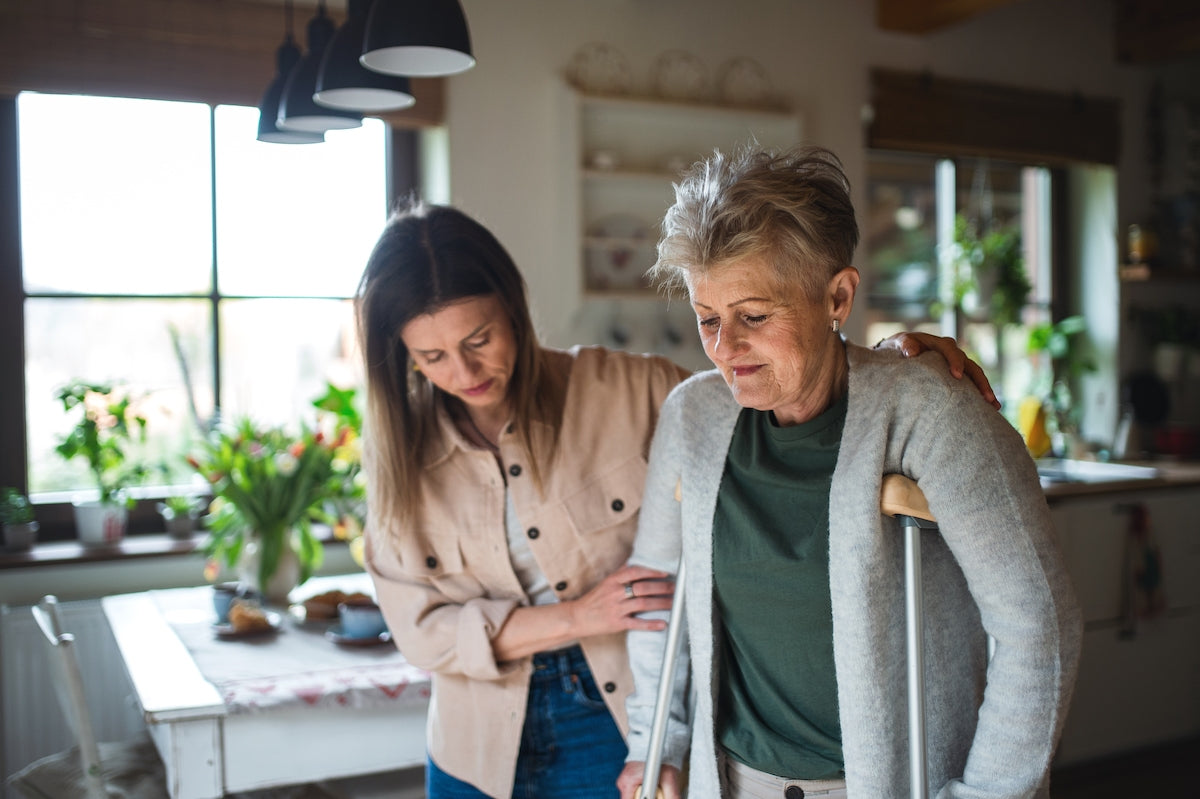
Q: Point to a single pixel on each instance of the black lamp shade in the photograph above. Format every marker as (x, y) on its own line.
(417, 37)
(343, 82)
(286, 58)
(297, 111)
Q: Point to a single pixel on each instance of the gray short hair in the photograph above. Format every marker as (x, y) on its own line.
(791, 207)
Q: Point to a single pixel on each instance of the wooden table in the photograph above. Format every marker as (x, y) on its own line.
(292, 707)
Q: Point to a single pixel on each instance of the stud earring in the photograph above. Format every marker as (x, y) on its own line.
(416, 367)
(836, 325)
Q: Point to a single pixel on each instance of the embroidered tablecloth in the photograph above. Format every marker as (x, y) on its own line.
(298, 665)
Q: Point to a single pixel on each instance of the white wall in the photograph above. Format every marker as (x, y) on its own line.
(504, 125)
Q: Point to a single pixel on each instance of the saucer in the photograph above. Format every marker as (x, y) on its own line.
(336, 635)
(226, 630)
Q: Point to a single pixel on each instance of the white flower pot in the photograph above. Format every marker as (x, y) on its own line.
(280, 583)
(99, 524)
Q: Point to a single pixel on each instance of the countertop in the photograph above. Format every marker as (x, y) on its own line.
(1171, 474)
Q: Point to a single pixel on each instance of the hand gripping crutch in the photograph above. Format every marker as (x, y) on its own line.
(666, 686)
(902, 499)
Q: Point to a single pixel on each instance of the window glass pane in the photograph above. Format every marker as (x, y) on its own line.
(296, 220)
(901, 238)
(278, 355)
(115, 195)
(136, 348)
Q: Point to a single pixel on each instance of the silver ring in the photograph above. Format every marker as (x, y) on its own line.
(629, 591)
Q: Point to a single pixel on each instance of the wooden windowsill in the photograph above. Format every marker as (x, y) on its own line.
(58, 553)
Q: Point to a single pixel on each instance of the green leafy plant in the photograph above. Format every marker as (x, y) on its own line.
(991, 277)
(180, 506)
(1065, 343)
(107, 423)
(15, 507)
(344, 509)
(267, 483)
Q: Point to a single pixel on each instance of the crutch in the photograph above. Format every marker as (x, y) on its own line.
(902, 499)
(666, 685)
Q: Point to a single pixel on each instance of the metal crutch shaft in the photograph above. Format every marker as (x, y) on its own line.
(666, 686)
(903, 499)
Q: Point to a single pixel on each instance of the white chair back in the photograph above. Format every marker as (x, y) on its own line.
(69, 684)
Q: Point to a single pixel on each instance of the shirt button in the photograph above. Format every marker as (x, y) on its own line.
(793, 792)
(533, 532)
(431, 562)
(609, 687)
(514, 470)
(618, 505)
(561, 586)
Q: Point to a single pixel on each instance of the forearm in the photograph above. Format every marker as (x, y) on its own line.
(539, 628)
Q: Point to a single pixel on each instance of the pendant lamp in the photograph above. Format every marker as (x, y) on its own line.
(286, 57)
(297, 111)
(343, 82)
(417, 37)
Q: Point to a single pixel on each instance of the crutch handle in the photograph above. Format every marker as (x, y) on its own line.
(902, 497)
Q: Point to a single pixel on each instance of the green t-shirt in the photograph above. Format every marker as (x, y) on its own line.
(777, 707)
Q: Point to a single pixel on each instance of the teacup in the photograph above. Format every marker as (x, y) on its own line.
(223, 596)
(361, 619)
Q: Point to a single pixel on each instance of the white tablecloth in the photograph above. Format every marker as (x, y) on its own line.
(297, 665)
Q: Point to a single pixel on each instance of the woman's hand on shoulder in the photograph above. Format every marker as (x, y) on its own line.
(914, 343)
(615, 603)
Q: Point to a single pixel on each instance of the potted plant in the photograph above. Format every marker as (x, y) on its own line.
(16, 517)
(1065, 344)
(268, 486)
(179, 513)
(345, 508)
(107, 422)
(991, 282)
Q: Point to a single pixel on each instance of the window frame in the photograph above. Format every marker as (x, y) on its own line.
(56, 518)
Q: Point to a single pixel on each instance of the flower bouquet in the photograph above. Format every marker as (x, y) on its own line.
(268, 486)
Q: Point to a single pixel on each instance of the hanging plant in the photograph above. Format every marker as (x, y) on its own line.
(991, 282)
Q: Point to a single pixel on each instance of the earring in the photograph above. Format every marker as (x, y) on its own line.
(836, 325)
(416, 367)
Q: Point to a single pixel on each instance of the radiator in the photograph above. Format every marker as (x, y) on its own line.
(34, 725)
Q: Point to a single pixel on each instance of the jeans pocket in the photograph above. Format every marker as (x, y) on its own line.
(585, 692)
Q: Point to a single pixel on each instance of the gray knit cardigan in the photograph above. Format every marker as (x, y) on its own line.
(995, 567)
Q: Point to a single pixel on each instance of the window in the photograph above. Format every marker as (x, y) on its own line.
(165, 249)
(925, 217)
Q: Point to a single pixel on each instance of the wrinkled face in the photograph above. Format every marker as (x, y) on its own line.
(466, 349)
(773, 345)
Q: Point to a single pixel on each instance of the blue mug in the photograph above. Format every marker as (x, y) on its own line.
(361, 620)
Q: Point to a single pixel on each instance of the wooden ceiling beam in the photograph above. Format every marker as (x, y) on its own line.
(1154, 31)
(926, 16)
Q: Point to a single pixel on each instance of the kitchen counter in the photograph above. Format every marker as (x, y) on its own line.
(1169, 474)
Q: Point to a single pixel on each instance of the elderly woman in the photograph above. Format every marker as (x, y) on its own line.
(766, 474)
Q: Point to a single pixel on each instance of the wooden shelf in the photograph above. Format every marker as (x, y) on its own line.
(1142, 273)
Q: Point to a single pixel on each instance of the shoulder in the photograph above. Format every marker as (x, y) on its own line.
(702, 394)
(887, 372)
(603, 363)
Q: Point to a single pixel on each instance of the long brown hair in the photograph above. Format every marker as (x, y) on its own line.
(427, 257)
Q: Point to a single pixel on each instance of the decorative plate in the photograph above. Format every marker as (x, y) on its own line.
(620, 248)
(228, 632)
(679, 75)
(599, 69)
(743, 81)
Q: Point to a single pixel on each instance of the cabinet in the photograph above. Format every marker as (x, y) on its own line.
(624, 154)
(1139, 684)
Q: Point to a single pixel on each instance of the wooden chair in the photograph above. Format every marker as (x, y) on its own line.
(133, 769)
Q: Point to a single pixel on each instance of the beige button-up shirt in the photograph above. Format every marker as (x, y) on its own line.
(447, 585)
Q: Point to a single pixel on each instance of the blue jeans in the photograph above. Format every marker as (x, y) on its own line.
(570, 745)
